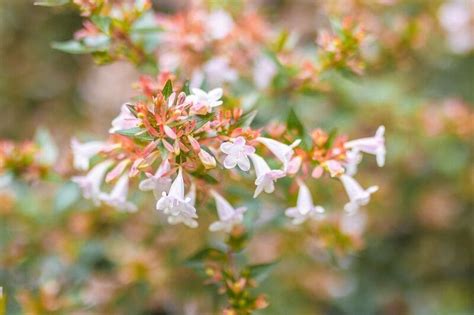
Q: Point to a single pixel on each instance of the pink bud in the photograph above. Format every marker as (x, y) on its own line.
(169, 132)
(207, 160)
(317, 172)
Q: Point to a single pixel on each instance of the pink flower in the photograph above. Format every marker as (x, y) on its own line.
(266, 177)
(83, 152)
(305, 208)
(178, 207)
(203, 102)
(117, 198)
(237, 154)
(282, 151)
(90, 183)
(125, 120)
(219, 24)
(372, 145)
(158, 182)
(228, 215)
(357, 195)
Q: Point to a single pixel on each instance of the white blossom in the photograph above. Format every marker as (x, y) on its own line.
(282, 151)
(353, 158)
(125, 120)
(264, 71)
(371, 145)
(158, 183)
(83, 152)
(218, 71)
(117, 198)
(90, 183)
(305, 209)
(203, 102)
(228, 215)
(266, 177)
(178, 207)
(219, 24)
(357, 195)
(238, 153)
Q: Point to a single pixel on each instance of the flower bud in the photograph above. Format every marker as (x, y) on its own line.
(207, 159)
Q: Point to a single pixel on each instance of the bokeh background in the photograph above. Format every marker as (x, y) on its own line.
(59, 255)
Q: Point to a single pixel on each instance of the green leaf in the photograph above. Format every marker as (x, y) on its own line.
(294, 123)
(72, 47)
(167, 89)
(137, 133)
(51, 3)
(206, 177)
(66, 196)
(186, 87)
(102, 22)
(205, 254)
(246, 119)
(261, 271)
(331, 137)
(49, 150)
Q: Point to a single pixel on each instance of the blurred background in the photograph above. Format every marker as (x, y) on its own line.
(60, 256)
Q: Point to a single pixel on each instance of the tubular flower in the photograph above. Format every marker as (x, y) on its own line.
(305, 209)
(372, 145)
(203, 102)
(266, 177)
(357, 195)
(125, 120)
(83, 152)
(237, 154)
(117, 198)
(282, 151)
(178, 207)
(159, 182)
(90, 183)
(228, 215)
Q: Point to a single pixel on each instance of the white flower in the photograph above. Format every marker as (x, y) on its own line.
(357, 195)
(266, 177)
(456, 18)
(83, 152)
(305, 208)
(204, 102)
(264, 71)
(178, 208)
(219, 24)
(228, 215)
(90, 183)
(218, 71)
(334, 167)
(237, 154)
(158, 183)
(353, 158)
(125, 120)
(282, 151)
(117, 198)
(372, 145)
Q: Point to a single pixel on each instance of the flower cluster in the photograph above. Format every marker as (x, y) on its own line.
(179, 140)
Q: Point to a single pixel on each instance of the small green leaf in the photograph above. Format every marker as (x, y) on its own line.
(51, 3)
(167, 89)
(331, 138)
(261, 271)
(206, 177)
(205, 254)
(72, 47)
(137, 133)
(246, 119)
(186, 87)
(294, 123)
(102, 22)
